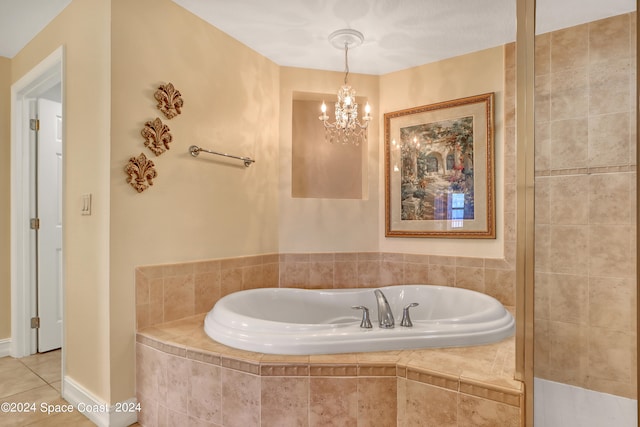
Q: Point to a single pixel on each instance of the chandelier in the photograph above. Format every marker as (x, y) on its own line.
(346, 128)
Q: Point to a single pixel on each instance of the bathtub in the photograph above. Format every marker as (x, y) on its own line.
(301, 321)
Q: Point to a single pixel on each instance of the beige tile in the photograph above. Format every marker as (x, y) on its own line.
(542, 291)
(285, 401)
(569, 94)
(542, 248)
(345, 274)
(569, 144)
(19, 379)
(500, 284)
(252, 277)
(477, 412)
(611, 251)
(207, 291)
(36, 396)
(377, 404)
(568, 199)
(442, 275)
(416, 272)
(543, 54)
(230, 281)
(609, 87)
(430, 406)
(294, 274)
(569, 249)
(240, 399)
(75, 419)
(612, 303)
(569, 48)
(609, 39)
(174, 391)
(568, 298)
(568, 350)
(333, 401)
(470, 278)
(543, 146)
(542, 98)
(609, 139)
(321, 274)
(608, 195)
(205, 392)
(368, 273)
(610, 354)
(391, 273)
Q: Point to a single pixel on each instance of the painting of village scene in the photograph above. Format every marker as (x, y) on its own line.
(437, 171)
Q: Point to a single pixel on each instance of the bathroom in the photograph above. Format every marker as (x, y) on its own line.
(238, 101)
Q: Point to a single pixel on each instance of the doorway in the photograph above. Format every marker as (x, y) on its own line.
(37, 181)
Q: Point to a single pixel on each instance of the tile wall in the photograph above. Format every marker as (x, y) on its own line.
(174, 291)
(585, 274)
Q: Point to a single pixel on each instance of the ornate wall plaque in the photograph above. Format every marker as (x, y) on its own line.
(140, 172)
(157, 136)
(169, 100)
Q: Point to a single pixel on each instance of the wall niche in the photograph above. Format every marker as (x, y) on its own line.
(321, 169)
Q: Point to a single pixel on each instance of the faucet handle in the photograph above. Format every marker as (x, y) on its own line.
(366, 321)
(406, 320)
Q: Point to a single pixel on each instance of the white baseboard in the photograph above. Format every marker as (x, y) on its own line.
(5, 347)
(121, 414)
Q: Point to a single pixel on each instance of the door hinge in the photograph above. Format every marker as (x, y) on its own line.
(35, 322)
(34, 124)
(35, 223)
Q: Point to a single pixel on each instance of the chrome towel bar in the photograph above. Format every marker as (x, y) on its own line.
(195, 150)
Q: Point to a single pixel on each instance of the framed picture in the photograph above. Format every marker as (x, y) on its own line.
(439, 170)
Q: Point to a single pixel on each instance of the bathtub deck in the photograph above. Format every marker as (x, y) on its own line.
(480, 373)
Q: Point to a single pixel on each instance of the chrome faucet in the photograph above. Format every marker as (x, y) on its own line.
(385, 315)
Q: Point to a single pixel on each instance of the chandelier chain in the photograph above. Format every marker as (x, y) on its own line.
(346, 62)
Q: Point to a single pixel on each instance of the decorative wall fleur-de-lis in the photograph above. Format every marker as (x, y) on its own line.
(140, 172)
(157, 136)
(169, 100)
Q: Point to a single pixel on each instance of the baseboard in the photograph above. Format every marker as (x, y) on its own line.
(121, 414)
(5, 347)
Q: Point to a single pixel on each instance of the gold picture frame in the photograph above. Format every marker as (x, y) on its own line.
(439, 170)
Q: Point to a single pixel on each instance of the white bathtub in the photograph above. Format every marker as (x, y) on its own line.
(299, 321)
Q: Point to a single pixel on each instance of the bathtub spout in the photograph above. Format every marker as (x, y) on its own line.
(385, 315)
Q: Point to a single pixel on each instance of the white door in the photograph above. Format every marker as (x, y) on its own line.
(49, 208)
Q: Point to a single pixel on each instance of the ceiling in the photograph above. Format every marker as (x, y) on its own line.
(398, 34)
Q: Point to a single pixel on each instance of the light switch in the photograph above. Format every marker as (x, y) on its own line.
(86, 204)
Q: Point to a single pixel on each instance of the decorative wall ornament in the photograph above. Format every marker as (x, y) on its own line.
(169, 100)
(157, 136)
(140, 172)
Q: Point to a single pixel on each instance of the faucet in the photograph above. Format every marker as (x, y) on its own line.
(385, 315)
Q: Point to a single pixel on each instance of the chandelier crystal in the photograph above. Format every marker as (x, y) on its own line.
(346, 128)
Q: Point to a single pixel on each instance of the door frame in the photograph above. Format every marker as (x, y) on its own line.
(42, 77)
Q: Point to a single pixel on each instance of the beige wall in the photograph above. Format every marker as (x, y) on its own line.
(5, 196)
(327, 225)
(585, 276)
(462, 76)
(198, 208)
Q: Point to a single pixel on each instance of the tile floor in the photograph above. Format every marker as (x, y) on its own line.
(35, 380)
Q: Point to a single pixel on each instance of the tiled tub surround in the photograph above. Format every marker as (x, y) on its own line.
(185, 378)
(173, 291)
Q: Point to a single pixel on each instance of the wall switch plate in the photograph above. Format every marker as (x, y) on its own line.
(86, 204)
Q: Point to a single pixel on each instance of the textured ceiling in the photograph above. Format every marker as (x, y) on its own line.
(398, 33)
